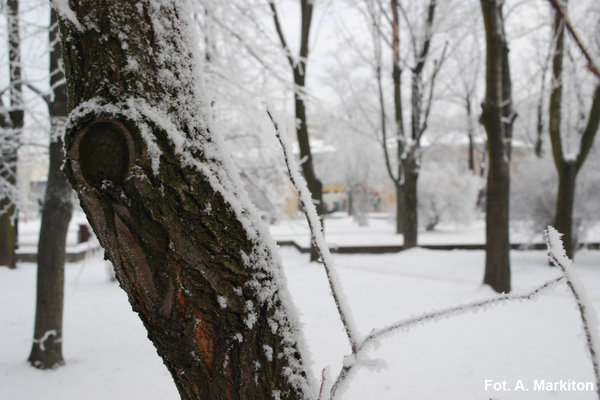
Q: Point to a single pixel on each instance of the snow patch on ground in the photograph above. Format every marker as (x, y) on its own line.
(109, 356)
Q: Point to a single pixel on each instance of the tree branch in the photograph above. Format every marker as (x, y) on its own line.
(435, 316)
(436, 69)
(317, 237)
(44, 96)
(557, 255)
(592, 65)
(587, 139)
(281, 35)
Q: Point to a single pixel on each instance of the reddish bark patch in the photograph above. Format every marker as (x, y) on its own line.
(203, 335)
(229, 384)
(134, 256)
(181, 302)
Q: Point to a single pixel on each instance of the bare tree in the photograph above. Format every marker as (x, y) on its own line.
(12, 124)
(497, 117)
(298, 65)
(421, 100)
(46, 350)
(566, 166)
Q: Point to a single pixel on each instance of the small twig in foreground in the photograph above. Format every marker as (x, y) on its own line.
(434, 316)
(317, 237)
(323, 379)
(557, 255)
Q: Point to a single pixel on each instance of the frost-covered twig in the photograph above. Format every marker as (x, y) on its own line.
(557, 255)
(592, 66)
(433, 316)
(317, 237)
(323, 380)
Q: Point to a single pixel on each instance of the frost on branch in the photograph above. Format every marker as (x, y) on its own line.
(559, 258)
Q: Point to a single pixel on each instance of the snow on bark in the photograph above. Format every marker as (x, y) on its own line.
(64, 10)
(182, 112)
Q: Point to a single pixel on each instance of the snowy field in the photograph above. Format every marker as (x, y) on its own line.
(109, 357)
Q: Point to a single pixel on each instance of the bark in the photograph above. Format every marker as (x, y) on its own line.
(8, 169)
(410, 220)
(314, 184)
(567, 169)
(46, 351)
(197, 265)
(470, 133)
(565, 201)
(497, 118)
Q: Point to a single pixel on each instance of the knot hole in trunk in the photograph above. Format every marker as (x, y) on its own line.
(105, 154)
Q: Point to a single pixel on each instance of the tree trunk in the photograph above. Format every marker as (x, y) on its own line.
(565, 200)
(410, 215)
(470, 133)
(398, 117)
(193, 256)
(314, 184)
(9, 151)
(46, 351)
(497, 118)
(399, 207)
(567, 169)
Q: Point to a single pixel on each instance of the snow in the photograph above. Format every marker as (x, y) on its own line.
(108, 355)
(342, 231)
(42, 341)
(64, 10)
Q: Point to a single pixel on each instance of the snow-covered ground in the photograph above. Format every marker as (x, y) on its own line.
(109, 357)
(341, 230)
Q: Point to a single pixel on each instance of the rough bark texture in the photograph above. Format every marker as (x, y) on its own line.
(497, 118)
(197, 266)
(10, 144)
(567, 168)
(46, 351)
(410, 222)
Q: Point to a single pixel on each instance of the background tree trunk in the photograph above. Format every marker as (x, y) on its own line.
(497, 118)
(9, 149)
(314, 184)
(567, 169)
(398, 118)
(46, 351)
(298, 66)
(192, 255)
(410, 220)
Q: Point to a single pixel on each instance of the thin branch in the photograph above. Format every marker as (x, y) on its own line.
(432, 317)
(411, 31)
(436, 69)
(592, 65)
(44, 96)
(317, 236)
(323, 379)
(248, 48)
(281, 35)
(557, 255)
